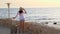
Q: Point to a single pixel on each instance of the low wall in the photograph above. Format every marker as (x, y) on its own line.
(35, 28)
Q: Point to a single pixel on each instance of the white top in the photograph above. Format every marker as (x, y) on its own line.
(21, 16)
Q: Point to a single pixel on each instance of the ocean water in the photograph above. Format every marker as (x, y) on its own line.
(34, 14)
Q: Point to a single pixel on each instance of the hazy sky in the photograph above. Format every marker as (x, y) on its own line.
(30, 3)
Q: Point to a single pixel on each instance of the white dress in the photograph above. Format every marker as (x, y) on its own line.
(21, 16)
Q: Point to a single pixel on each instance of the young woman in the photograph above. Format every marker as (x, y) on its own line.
(21, 13)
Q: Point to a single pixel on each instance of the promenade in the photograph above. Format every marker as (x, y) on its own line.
(4, 30)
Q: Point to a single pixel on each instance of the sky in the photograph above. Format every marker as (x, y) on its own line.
(30, 3)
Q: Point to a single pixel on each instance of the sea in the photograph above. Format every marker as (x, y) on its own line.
(34, 14)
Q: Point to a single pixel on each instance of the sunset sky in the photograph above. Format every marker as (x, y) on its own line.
(30, 3)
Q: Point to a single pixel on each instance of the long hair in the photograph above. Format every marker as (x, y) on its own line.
(20, 10)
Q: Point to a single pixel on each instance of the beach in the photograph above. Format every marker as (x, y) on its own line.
(9, 25)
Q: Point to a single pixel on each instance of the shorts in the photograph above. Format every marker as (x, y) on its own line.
(21, 19)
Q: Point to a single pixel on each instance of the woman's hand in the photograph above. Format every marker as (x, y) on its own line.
(25, 12)
(13, 17)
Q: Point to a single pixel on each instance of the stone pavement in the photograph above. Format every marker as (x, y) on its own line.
(5, 30)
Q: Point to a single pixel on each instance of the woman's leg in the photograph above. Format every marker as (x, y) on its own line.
(22, 25)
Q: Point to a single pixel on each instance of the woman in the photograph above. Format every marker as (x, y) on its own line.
(21, 17)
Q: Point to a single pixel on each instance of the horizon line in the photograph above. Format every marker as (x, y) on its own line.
(34, 7)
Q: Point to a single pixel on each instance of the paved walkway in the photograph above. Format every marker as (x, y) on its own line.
(4, 30)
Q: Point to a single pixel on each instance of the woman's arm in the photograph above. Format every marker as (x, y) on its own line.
(25, 10)
(16, 15)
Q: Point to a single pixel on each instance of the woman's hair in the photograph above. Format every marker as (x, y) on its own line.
(20, 10)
